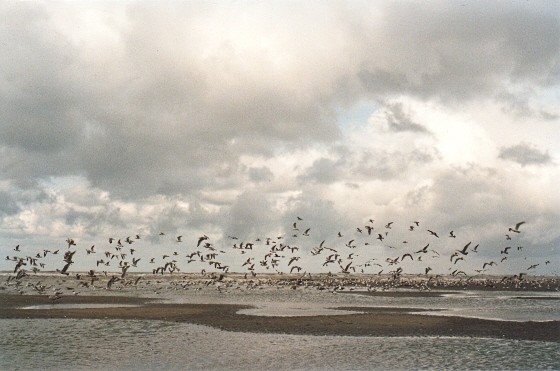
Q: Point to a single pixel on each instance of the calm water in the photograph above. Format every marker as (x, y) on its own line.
(119, 344)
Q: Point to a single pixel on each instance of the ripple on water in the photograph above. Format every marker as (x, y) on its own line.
(134, 344)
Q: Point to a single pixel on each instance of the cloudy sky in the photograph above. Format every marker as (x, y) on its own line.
(233, 118)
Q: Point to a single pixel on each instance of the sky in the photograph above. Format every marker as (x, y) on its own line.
(233, 118)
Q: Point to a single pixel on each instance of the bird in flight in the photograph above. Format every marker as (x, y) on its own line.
(516, 229)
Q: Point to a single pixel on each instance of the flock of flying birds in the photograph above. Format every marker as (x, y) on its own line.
(348, 253)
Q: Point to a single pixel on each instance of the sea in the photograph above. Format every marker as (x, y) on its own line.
(114, 344)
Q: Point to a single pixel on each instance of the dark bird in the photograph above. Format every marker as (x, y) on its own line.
(433, 233)
(405, 255)
(452, 235)
(464, 251)
(295, 267)
(65, 268)
(200, 239)
(508, 237)
(492, 263)
(423, 250)
(505, 251)
(459, 258)
(295, 258)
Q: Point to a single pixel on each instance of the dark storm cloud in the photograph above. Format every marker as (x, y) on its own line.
(525, 154)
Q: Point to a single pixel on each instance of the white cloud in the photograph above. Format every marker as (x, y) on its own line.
(206, 118)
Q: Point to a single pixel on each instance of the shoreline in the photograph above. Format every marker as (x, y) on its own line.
(372, 321)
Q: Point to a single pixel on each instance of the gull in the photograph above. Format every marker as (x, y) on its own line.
(295, 258)
(533, 266)
(508, 237)
(433, 233)
(424, 249)
(306, 233)
(492, 263)
(516, 229)
(388, 226)
(505, 251)
(19, 264)
(295, 267)
(65, 268)
(200, 239)
(464, 251)
(17, 248)
(428, 269)
(405, 255)
(459, 258)
(112, 280)
(452, 235)
(179, 238)
(348, 266)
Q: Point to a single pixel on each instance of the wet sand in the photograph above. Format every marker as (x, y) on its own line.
(371, 322)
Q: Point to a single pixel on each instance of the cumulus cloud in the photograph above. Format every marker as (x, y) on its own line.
(218, 118)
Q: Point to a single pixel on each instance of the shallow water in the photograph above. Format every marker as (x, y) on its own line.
(118, 344)
(29, 344)
(501, 305)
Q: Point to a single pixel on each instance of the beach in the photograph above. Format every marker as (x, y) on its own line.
(224, 305)
(195, 322)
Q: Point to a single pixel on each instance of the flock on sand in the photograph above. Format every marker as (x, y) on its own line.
(346, 254)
